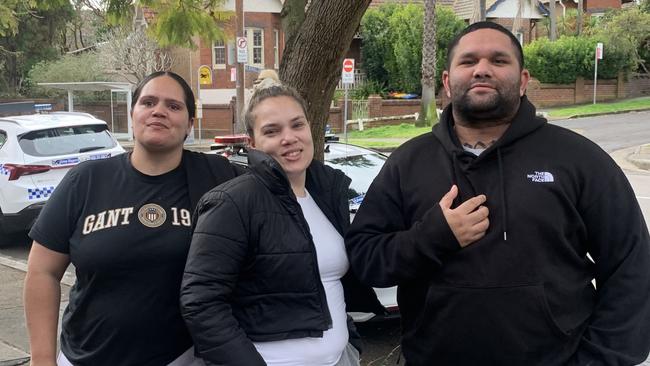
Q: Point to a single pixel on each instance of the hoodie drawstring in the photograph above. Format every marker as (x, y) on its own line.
(504, 215)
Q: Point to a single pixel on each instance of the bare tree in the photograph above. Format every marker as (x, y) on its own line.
(133, 55)
(428, 102)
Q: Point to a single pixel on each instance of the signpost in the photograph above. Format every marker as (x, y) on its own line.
(204, 78)
(347, 77)
(242, 50)
(599, 56)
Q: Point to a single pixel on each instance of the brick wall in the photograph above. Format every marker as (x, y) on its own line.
(638, 85)
(541, 95)
(266, 21)
(217, 120)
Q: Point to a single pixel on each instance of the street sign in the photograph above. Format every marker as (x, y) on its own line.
(233, 74)
(242, 50)
(205, 75)
(599, 50)
(347, 74)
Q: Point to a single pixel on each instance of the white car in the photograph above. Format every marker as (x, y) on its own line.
(360, 164)
(36, 151)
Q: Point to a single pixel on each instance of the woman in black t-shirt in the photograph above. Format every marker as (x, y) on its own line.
(125, 224)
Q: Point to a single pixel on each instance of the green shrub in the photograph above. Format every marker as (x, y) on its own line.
(567, 58)
(392, 44)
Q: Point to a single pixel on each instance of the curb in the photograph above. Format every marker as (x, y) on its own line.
(640, 157)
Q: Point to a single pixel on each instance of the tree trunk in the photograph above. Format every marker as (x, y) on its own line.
(579, 18)
(428, 115)
(313, 56)
(553, 21)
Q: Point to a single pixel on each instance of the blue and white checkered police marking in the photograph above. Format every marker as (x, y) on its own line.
(36, 193)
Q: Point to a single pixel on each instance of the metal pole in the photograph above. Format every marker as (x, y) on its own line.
(112, 121)
(70, 102)
(198, 97)
(345, 112)
(595, 75)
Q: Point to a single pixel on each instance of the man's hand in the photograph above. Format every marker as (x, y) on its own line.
(469, 221)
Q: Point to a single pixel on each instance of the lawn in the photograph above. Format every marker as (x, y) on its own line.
(404, 130)
(613, 107)
(386, 137)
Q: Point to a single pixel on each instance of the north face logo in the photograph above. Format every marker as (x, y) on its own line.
(541, 177)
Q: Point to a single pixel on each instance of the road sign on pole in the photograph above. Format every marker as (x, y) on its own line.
(205, 75)
(347, 74)
(242, 50)
(599, 56)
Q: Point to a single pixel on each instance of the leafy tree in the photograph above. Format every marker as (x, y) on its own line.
(12, 12)
(84, 67)
(379, 50)
(406, 25)
(36, 36)
(377, 46)
(627, 29)
(644, 6)
(176, 22)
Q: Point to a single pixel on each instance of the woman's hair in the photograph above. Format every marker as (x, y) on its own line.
(271, 91)
(187, 91)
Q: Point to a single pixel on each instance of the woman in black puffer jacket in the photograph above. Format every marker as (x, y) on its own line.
(265, 280)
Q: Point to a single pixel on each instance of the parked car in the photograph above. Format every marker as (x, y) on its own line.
(358, 163)
(36, 151)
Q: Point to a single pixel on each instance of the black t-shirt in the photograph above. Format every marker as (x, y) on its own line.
(127, 235)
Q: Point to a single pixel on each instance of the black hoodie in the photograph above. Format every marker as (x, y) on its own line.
(521, 295)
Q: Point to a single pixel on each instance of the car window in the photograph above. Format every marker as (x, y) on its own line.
(3, 138)
(66, 140)
(362, 169)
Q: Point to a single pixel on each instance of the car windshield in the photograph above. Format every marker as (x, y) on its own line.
(362, 169)
(66, 140)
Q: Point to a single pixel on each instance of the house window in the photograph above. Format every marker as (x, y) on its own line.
(255, 37)
(276, 49)
(219, 54)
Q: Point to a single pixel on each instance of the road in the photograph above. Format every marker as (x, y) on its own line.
(612, 133)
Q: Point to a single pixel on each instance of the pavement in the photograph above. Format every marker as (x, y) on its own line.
(14, 345)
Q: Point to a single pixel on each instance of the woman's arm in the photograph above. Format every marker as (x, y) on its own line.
(42, 297)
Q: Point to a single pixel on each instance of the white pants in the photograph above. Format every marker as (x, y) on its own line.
(186, 359)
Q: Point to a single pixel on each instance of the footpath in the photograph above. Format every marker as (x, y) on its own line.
(14, 345)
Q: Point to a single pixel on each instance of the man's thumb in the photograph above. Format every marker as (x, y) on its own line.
(448, 199)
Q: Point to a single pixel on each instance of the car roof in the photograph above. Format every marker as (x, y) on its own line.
(49, 120)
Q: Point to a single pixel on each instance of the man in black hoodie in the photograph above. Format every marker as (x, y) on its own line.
(495, 224)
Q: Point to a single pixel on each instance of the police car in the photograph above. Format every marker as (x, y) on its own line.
(35, 153)
(360, 164)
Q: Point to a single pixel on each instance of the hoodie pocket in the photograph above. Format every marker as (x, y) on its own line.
(497, 325)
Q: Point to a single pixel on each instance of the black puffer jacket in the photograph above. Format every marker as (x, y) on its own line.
(251, 272)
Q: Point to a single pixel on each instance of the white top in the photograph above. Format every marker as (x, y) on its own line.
(332, 265)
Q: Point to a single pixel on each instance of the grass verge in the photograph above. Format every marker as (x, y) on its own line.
(602, 107)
